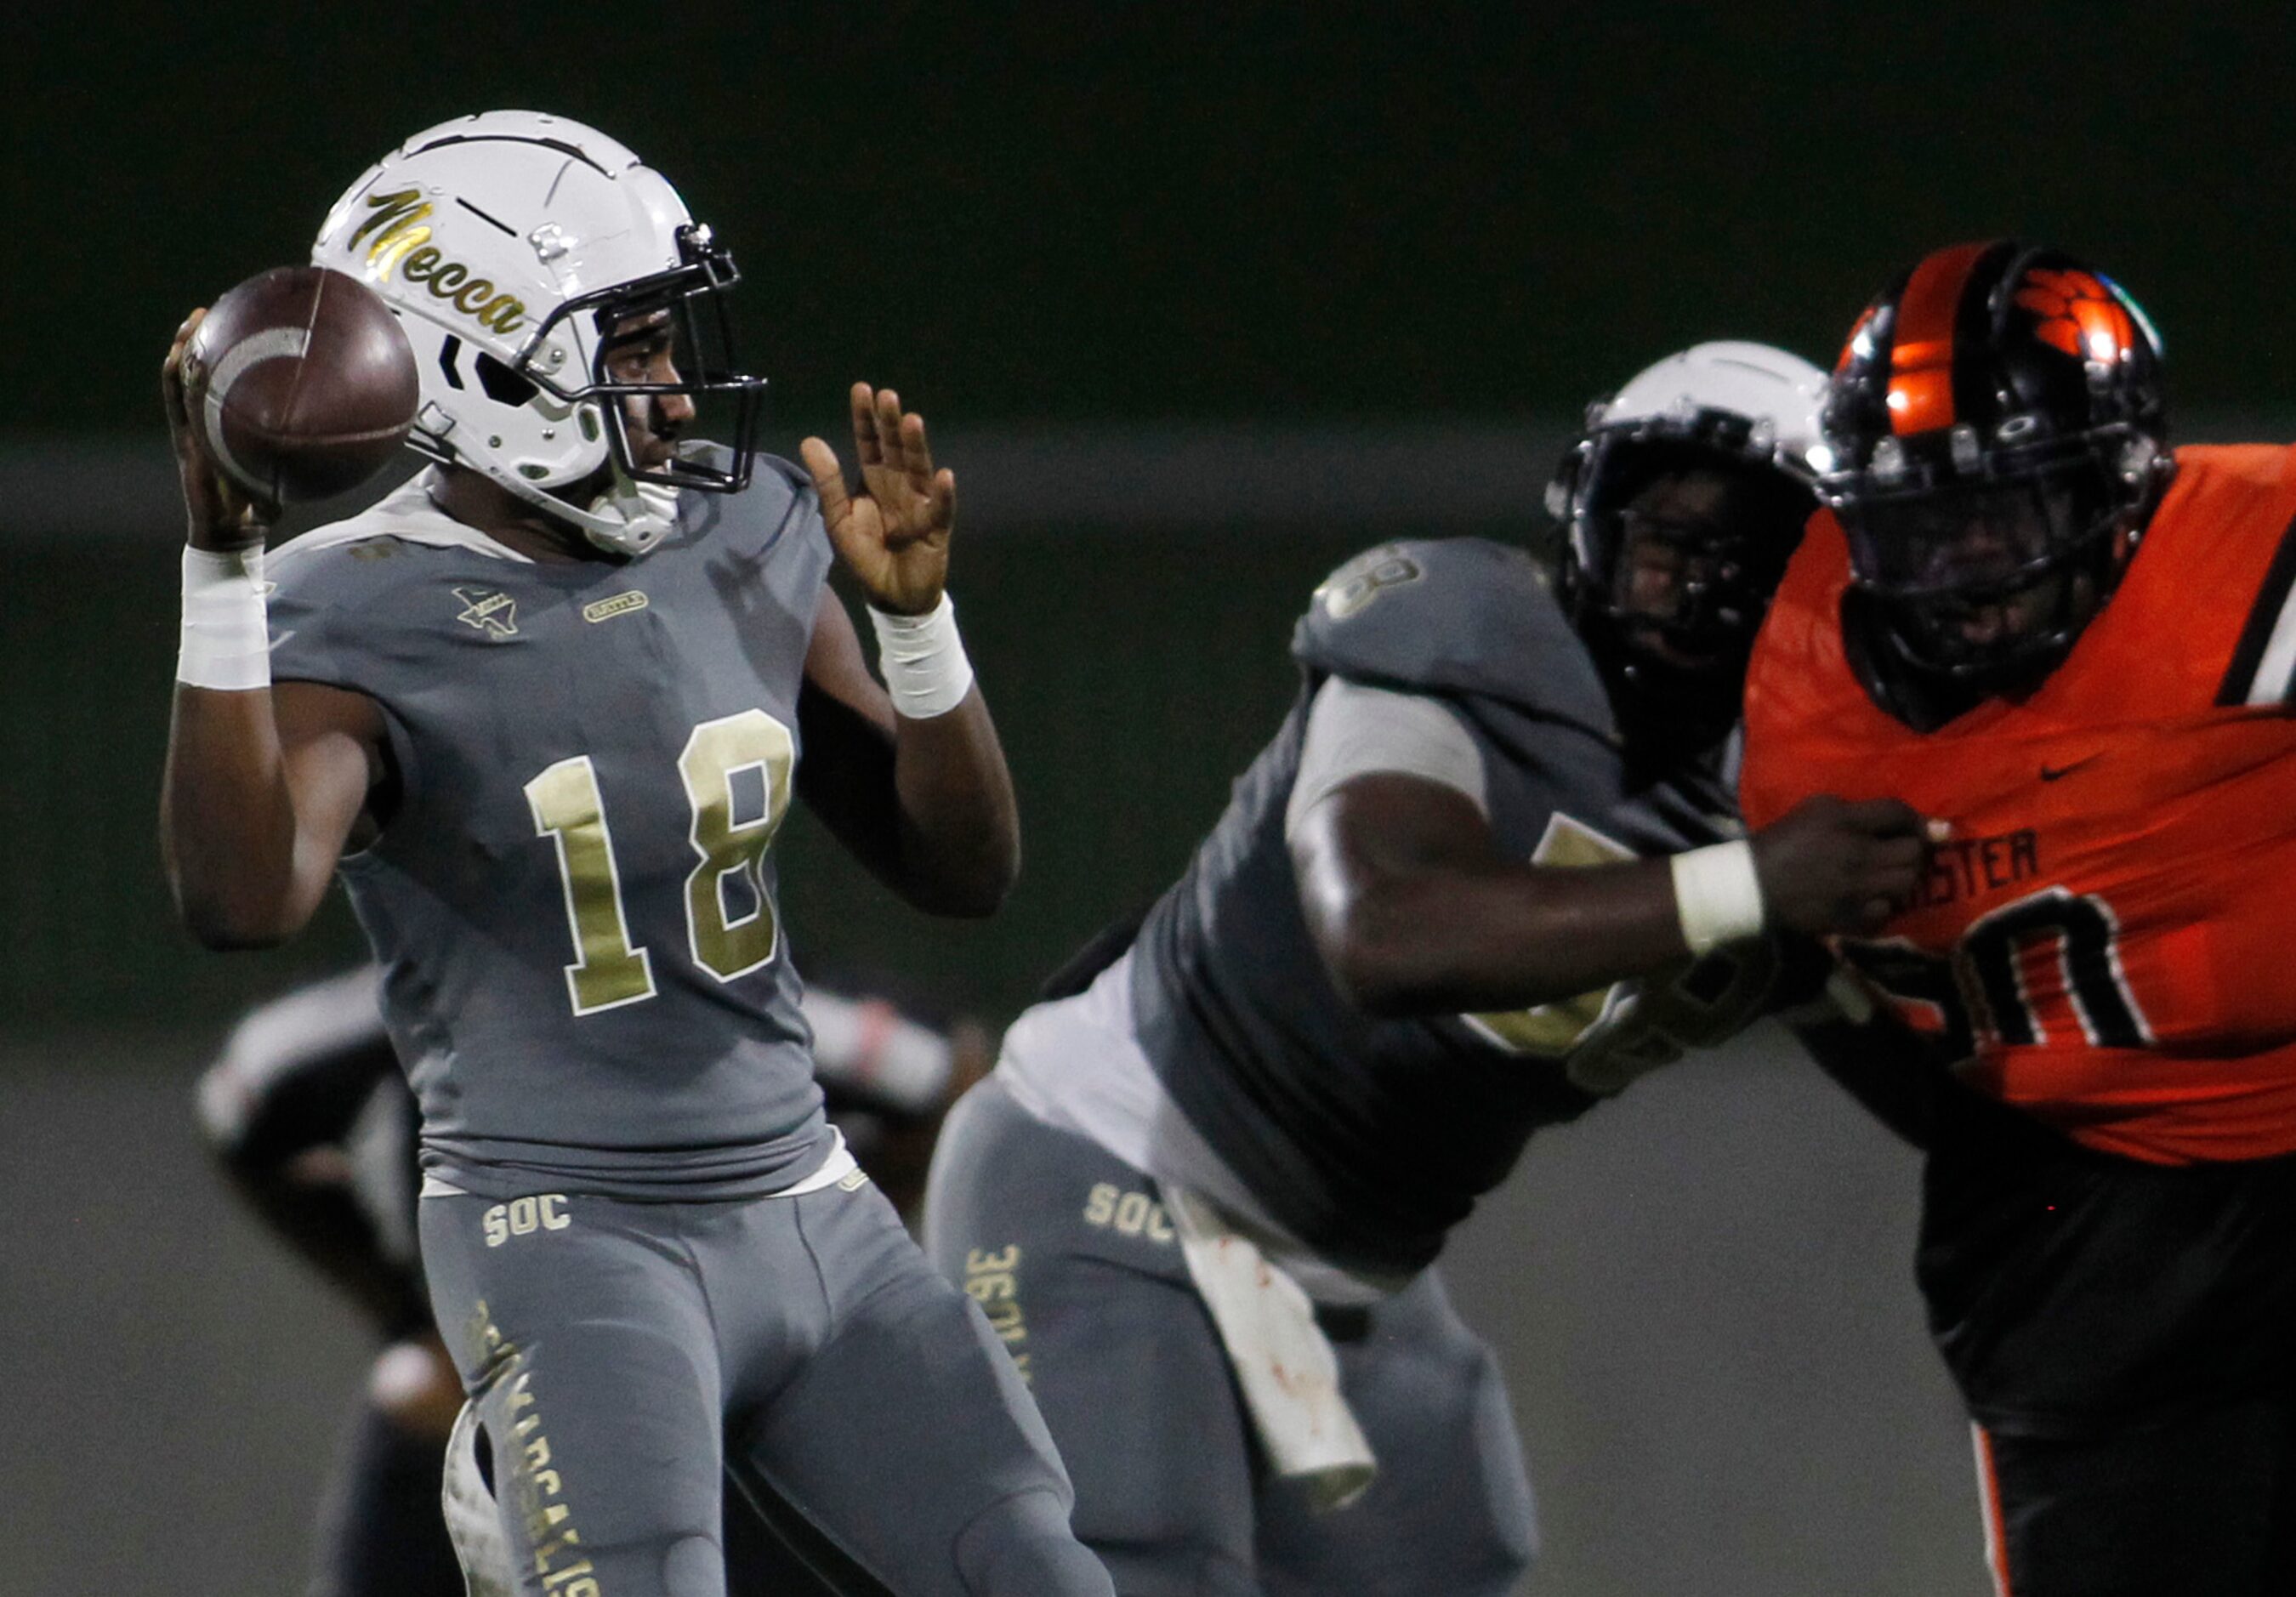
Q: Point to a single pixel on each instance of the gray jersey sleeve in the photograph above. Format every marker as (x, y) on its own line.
(309, 640)
(1355, 731)
(1461, 617)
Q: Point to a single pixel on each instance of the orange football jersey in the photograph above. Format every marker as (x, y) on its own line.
(2109, 937)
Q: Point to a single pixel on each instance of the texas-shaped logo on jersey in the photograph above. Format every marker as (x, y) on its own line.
(494, 614)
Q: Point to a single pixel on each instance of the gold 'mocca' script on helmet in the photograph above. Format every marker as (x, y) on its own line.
(401, 235)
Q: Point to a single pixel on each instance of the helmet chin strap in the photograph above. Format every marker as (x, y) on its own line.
(624, 518)
(630, 518)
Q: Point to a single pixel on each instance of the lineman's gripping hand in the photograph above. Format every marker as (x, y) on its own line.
(893, 536)
(1830, 866)
(218, 513)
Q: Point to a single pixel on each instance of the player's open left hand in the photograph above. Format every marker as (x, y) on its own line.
(1830, 866)
(893, 536)
(218, 513)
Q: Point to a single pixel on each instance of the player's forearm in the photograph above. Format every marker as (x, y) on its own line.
(1447, 940)
(959, 843)
(227, 822)
(1416, 911)
(909, 776)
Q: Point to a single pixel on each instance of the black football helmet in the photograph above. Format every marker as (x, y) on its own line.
(1995, 435)
(1668, 588)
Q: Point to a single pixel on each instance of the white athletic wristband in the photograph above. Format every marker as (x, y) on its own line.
(1717, 895)
(923, 661)
(227, 641)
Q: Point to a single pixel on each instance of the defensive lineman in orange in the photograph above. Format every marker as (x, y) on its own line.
(2028, 618)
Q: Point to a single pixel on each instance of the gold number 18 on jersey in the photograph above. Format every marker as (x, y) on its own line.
(609, 971)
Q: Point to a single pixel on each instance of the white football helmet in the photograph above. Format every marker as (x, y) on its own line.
(1752, 401)
(1747, 410)
(513, 246)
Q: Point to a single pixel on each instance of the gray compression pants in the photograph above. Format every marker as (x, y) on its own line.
(620, 1355)
(1069, 1251)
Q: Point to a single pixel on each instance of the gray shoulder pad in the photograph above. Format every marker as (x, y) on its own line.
(338, 572)
(357, 569)
(780, 499)
(1463, 616)
(351, 561)
(798, 482)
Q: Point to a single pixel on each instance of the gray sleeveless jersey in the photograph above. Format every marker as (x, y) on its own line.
(573, 897)
(1369, 1139)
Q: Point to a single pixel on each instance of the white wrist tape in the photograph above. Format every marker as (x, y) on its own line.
(923, 661)
(226, 641)
(1717, 895)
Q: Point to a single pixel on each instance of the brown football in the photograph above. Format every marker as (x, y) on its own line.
(302, 383)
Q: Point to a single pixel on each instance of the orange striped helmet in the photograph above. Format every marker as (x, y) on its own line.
(1995, 439)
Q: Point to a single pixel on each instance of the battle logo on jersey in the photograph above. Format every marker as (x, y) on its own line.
(621, 605)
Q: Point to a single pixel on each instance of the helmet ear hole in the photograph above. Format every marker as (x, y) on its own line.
(500, 383)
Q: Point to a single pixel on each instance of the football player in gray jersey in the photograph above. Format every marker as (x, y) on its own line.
(542, 710)
(1486, 873)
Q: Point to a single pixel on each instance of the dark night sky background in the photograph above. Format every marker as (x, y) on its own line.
(1123, 212)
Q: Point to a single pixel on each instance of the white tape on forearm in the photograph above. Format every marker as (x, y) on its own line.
(864, 1048)
(1717, 895)
(226, 641)
(923, 661)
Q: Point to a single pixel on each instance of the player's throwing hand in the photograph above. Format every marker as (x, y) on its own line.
(894, 535)
(1833, 866)
(220, 514)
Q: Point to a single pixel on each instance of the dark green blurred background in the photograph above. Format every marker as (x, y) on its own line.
(1200, 299)
(1139, 211)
